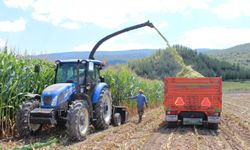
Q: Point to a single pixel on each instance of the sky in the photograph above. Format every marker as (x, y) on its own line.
(51, 26)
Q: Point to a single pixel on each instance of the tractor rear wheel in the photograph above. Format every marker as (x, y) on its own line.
(24, 127)
(78, 120)
(126, 117)
(103, 110)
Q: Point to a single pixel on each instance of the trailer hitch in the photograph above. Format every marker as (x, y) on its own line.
(148, 23)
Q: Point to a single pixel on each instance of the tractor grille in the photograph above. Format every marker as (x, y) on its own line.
(47, 100)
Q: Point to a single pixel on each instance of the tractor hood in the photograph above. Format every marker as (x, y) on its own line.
(56, 94)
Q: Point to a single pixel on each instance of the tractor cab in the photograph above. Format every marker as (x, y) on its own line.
(72, 78)
(84, 74)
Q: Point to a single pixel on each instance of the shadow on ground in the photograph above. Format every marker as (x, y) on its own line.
(184, 129)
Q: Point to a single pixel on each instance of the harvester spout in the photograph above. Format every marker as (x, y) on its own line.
(91, 55)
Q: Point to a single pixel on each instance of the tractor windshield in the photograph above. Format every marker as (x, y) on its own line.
(67, 73)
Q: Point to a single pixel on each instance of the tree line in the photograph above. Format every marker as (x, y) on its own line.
(162, 64)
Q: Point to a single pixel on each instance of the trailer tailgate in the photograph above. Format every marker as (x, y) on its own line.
(193, 94)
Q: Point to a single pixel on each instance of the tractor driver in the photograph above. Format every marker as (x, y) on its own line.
(73, 75)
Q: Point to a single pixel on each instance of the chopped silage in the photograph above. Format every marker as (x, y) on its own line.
(186, 71)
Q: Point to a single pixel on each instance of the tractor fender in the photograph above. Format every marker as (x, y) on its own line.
(32, 96)
(97, 92)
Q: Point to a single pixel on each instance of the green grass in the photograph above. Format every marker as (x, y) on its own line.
(234, 86)
(38, 145)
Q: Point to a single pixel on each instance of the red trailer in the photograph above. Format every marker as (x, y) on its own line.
(193, 101)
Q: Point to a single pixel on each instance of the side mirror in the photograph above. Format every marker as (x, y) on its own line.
(91, 66)
(37, 68)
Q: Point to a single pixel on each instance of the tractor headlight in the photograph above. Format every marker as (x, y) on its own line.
(54, 101)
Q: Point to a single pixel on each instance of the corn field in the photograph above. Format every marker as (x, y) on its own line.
(124, 83)
(17, 77)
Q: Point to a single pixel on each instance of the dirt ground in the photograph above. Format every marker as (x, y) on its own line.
(152, 133)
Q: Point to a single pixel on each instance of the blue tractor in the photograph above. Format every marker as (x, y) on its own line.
(79, 97)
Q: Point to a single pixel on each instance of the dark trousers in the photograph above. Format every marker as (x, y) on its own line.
(140, 114)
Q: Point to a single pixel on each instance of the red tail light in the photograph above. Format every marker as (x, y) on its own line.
(179, 101)
(206, 102)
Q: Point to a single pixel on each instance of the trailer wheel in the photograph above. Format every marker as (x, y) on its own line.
(213, 126)
(171, 124)
(126, 117)
(103, 110)
(117, 119)
(77, 120)
(24, 127)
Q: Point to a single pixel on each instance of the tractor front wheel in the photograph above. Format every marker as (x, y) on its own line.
(24, 127)
(78, 120)
(103, 110)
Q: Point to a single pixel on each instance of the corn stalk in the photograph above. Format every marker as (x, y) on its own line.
(17, 77)
(124, 83)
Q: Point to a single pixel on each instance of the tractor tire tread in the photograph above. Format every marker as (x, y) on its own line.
(100, 122)
(72, 123)
(22, 118)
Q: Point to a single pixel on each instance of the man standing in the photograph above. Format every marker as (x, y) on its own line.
(141, 100)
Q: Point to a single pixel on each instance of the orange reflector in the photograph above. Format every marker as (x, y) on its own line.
(104, 63)
(179, 101)
(206, 102)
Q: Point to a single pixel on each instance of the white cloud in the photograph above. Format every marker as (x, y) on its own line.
(112, 45)
(39, 17)
(2, 43)
(70, 25)
(18, 3)
(125, 42)
(12, 26)
(162, 25)
(115, 46)
(232, 9)
(84, 47)
(215, 37)
(108, 13)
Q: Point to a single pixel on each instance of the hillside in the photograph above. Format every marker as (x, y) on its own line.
(112, 57)
(161, 64)
(239, 54)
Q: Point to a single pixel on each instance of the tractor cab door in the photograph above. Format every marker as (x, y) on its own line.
(93, 76)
